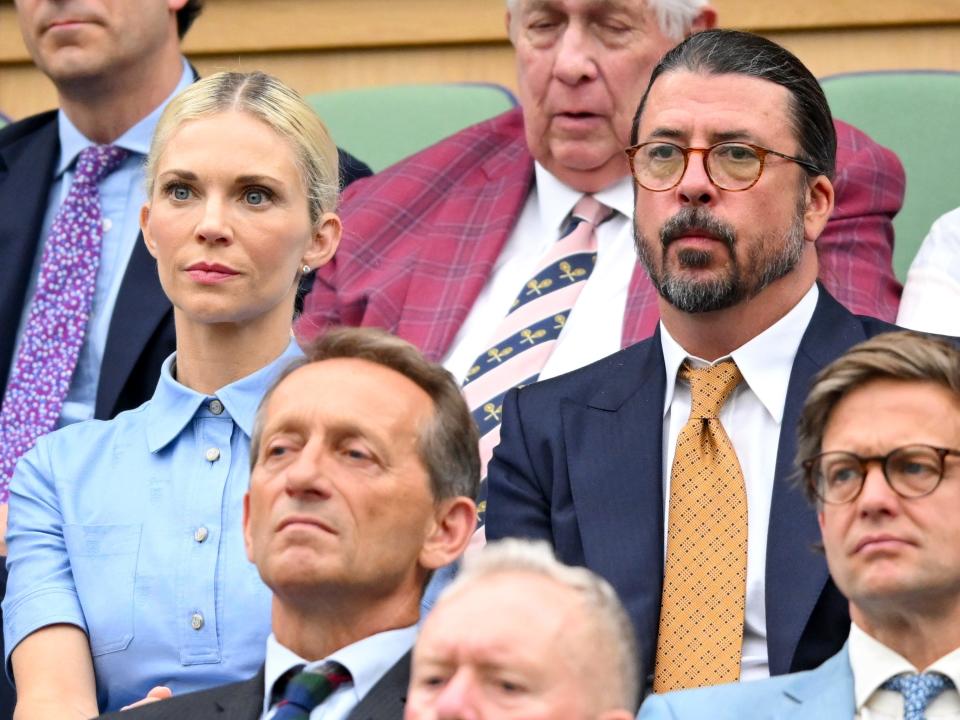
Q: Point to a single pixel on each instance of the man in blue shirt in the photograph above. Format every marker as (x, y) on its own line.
(364, 472)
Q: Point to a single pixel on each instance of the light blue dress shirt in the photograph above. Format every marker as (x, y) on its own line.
(122, 194)
(367, 660)
(131, 529)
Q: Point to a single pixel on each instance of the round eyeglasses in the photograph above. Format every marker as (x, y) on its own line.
(911, 471)
(734, 166)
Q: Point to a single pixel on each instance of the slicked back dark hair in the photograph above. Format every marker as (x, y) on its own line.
(187, 14)
(722, 52)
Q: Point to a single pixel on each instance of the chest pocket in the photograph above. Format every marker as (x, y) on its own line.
(103, 559)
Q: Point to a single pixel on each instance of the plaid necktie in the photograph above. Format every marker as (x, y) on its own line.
(57, 321)
(704, 585)
(307, 689)
(918, 691)
(527, 335)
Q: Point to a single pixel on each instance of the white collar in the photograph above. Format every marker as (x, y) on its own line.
(765, 361)
(555, 199)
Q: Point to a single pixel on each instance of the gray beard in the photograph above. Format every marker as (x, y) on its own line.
(731, 286)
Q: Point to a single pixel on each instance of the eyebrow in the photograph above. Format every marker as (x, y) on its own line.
(183, 174)
(240, 180)
(715, 137)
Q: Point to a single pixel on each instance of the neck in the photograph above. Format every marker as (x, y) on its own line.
(711, 335)
(104, 107)
(921, 634)
(211, 356)
(314, 626)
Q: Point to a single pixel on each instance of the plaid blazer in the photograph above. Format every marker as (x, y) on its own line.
(422, 237)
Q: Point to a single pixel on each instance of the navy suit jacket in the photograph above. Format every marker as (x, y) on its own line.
(822, 694)
(580, 465)
(141, 332)
(244, 701)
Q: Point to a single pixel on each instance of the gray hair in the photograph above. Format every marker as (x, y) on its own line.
(674, 17)
(609, 623)
(448, 445)
(906, 356)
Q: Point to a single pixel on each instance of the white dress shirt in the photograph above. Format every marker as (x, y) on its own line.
(931, 294)
(368, 660)
(752, 417)
(873, 663)
(594, 328)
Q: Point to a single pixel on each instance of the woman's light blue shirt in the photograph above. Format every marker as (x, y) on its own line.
(131, 529)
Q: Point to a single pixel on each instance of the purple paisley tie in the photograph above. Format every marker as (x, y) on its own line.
(55, 328)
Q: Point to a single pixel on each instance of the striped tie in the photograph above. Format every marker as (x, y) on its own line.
(306, 689)
(525, 338)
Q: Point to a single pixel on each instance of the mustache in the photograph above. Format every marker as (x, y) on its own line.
(696, 220)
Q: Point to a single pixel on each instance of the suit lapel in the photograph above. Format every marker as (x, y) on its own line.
(825, 693)
(140, 308)
(386, 699)
(464, 240)
(26, 172)
(614, 454)
(796, 573)
(242, 701)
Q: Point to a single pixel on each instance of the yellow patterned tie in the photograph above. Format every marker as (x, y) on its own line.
(704, 586)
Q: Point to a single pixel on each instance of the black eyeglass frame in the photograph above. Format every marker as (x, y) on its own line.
(809, 464)
(761, 151)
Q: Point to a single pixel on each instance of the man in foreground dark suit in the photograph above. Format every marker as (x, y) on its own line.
(735, 151)
(878, 445)
(364, 472)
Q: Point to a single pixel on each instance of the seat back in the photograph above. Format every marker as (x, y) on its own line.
(381, 125)
(915, 113)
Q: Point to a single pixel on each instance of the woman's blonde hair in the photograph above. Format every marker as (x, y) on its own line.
(270, 101)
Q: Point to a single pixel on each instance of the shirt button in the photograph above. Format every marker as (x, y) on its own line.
(196, 622)
(107, 224)
(212, 454)
(216, 407)
(200, 534)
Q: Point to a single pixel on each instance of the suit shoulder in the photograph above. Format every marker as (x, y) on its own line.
(721, 702)
(17, 131)
(580, 383)
(200, 704)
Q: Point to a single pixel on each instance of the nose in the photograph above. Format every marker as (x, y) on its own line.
(307, 473)
(695, 186)
(574, 61)
(457, 700)
(876, 497)
(214, 224)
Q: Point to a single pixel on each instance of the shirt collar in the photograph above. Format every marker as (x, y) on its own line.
(873, 663)
(556, 199)
(136, 139)
(368, 660)
(765, 361)
(174, 405)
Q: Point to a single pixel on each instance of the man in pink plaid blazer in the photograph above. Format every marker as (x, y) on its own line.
(422, 239)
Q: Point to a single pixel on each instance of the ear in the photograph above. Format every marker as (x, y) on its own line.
(145, 229)
(247, 536)
(323, 244)
(454, 522)
(706, 19)
(175, 5)
(820, 522)
(819, 207)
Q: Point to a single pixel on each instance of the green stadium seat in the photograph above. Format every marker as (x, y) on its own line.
(915, 113)
(381, 125)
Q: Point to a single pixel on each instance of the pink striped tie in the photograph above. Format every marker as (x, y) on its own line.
(525, 338)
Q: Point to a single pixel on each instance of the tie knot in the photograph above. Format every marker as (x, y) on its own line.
(710, 387)
(309, 688)
(918, 690)
(589, 210)
(98, 161)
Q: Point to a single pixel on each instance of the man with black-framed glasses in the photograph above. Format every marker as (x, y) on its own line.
(665, 467)
(878, 452)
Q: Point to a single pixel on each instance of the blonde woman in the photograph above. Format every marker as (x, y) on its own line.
(127, 567)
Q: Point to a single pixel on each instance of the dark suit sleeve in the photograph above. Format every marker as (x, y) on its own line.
(518, 500)
(351, 168)
(856, 247)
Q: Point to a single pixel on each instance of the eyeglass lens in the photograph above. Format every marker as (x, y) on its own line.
(731, 166)
(912, 471)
